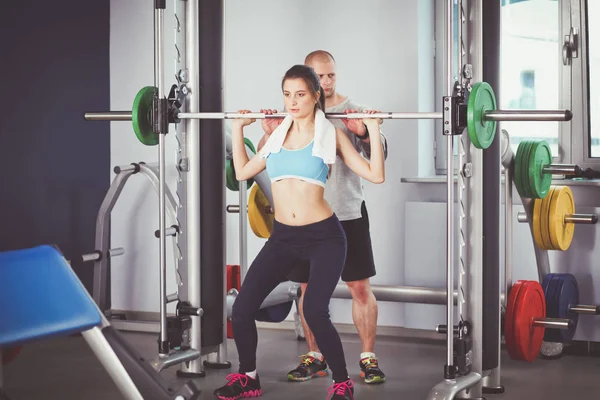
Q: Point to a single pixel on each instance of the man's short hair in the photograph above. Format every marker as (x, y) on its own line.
(319, 56)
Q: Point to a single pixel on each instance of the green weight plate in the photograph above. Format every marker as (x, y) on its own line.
(525, 170)
(528, 163)
(517, 176)
(481, 99)
(541, 156)
(520, 173)
(250, 144)
(253, 149)
(140, 116)
(230, 180)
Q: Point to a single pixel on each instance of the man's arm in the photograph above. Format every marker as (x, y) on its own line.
(262, 142)
(365, 146)
(361, 143)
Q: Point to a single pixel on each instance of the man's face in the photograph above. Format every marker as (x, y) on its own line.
(327, 76)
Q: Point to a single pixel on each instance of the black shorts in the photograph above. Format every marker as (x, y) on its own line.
(359, 256)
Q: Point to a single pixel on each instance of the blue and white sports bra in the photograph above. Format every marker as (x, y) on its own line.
(299, 164)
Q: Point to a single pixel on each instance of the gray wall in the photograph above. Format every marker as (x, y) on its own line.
(54, 164)
(384, 51)
(135, 217)
(259, 48)
(379, 64)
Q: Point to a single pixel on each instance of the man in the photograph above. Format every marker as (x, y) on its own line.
(344, 193)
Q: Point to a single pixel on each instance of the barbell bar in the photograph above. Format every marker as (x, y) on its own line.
(568, 218)
(561, 169)
(478, 115)
(585, 309)
(97, 255)
(549, 323)
(173, 230)
(553, 323)
(235, 209)
(495, 115)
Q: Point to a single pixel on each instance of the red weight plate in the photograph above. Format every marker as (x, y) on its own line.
(531, 305)
(233, 277)
(229, 276)
(229, 330)
(509, 334)
(236, 277)
(233, 282)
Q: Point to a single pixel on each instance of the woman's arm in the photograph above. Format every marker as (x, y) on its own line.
(244, 168)
(373, 171)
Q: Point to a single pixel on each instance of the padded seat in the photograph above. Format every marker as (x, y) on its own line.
(41, 297)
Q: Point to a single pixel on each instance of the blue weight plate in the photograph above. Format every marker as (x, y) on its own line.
(552, 335)
(567, 296)
(545, 283)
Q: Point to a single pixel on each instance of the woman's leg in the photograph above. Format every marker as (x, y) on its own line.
(270, 267)
(327, 261)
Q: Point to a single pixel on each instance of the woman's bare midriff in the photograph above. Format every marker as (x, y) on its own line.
(299, 203)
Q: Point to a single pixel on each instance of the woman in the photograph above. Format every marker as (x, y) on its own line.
(297, 157)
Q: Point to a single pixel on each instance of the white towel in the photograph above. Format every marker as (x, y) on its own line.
(324, 143)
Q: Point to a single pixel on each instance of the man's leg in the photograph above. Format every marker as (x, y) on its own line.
(359, 268)
(308, 335)
(364, 313)
(312, 364)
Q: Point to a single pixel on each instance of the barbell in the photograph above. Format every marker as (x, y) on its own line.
(526, 320)
(260, 213)
(542, 312)
(562, 301)
(534, 168)
(479, 114)
(554, 219)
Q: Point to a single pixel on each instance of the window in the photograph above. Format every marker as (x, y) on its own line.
(535, 73)
(593, 74)
(532, 75)
(530, 67)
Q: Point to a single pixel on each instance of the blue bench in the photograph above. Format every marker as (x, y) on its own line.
(41, 297)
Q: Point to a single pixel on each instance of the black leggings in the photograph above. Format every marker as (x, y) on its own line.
(322, 243)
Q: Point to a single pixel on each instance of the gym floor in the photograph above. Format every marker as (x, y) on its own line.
(65, 368)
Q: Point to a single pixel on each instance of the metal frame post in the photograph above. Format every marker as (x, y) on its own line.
(189, 165)
(473, 311)
(448, 70)
(491, 284)
(470, 201)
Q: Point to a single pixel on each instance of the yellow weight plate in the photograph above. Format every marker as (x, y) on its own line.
(536, 224)
(561, 233)
(259, 214)
(545, 218)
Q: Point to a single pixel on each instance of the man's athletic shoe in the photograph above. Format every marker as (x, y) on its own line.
(239, 386)
(369, 370)
(309, 368)
(341, 391)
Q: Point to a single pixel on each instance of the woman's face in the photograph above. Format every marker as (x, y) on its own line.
(297, 97)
